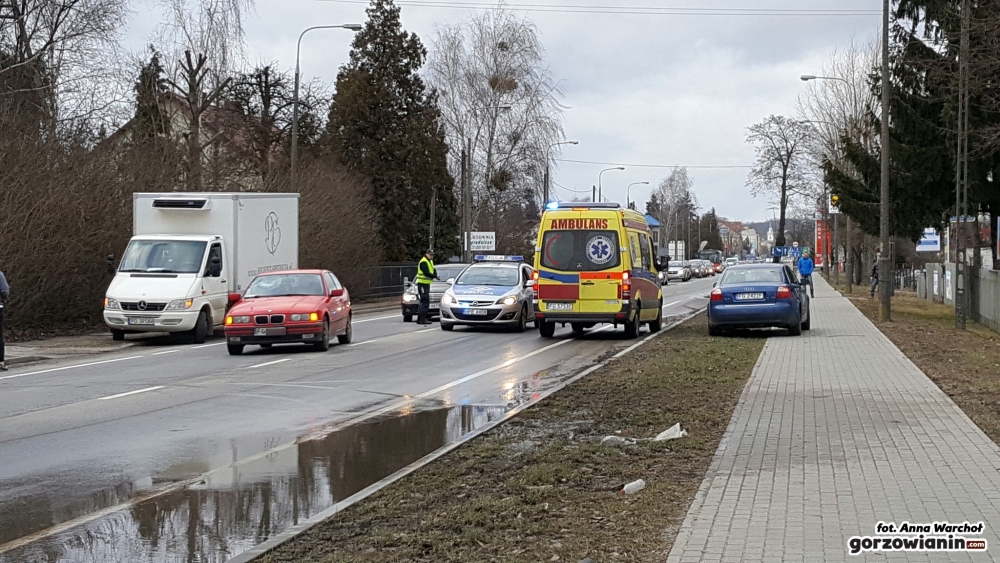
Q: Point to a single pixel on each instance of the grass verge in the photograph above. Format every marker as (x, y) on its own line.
(542, 488)
(964, 364)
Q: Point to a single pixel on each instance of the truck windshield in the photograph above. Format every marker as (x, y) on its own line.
(281, 285)
(166, 256)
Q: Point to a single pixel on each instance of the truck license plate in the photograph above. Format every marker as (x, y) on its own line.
(141, 321)
(475, 312)
(559, 306)
(749, 296)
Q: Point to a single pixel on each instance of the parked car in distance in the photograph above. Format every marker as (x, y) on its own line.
(679, 270)
(410, 301)
(758, 296)
(290, 307)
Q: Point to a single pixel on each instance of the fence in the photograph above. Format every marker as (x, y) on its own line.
(984, 298)
(905, 279)
(388, 280)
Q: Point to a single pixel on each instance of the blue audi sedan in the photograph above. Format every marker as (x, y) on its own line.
(758, 296)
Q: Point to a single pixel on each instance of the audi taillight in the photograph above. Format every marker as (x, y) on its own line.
(716, 294)
(784, 292)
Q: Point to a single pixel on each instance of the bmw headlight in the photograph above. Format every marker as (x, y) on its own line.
(447, 299)
(111, 303)
(304, 317)
(240, 320)
(180, 304)
(510, 300)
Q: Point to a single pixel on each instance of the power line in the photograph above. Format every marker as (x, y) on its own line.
(635, 10)
(695, 166)
(554, 183)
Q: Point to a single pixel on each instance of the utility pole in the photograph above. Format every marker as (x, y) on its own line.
(885, 266)
(836, 250)
(593, 195)
(434, 195)
(545, 185)
(848, 258)
(961, 176)
(465, 199)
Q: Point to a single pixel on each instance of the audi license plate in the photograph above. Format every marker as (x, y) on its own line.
(559, 306)
(475, 312)
(749, 296)
(141, 321)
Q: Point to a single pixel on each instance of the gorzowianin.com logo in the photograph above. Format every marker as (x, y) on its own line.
(933, 537)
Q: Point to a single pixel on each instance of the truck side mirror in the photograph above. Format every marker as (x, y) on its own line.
(111, 263)
(215, 267)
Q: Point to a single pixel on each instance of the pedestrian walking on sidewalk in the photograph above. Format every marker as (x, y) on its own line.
(4, 294)
(874, 279)
(426, 274)
(806, 268)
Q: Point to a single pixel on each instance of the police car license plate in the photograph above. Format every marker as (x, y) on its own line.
(559, 306)
(475, 312)
(749, 296)
(141, 321)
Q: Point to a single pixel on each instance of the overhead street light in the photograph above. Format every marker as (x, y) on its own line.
(295, 95)
(600, 197)
(545, 184)
(627, 199)
(808, 77)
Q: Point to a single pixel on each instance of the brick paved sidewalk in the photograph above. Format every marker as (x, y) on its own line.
(836, 431)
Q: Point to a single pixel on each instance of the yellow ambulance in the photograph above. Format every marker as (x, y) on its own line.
(595, 263)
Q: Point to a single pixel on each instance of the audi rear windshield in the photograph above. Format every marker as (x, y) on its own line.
(580, 251)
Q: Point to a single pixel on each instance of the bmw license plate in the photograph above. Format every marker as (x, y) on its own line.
(141, 321)
(749, 296)
(559, 306)
(273, 331)
(475, 312)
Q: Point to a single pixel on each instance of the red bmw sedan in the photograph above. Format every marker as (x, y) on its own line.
(290, 307)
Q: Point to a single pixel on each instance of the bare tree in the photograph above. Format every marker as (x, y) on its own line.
(194, 73)
(675, 202)
(496, 92)
(782, 146)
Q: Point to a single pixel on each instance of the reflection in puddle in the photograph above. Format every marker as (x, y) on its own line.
(239, 507)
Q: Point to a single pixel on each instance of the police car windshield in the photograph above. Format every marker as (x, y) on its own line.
(499, 276)
(280, 285)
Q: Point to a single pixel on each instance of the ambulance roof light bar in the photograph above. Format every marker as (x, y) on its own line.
(497, 258)
(553, 205)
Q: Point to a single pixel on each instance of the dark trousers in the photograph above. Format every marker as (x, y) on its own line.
(1, 336)
(808, 280)
(424, 292)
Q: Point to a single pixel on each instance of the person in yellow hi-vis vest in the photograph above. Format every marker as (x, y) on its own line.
(426, 274)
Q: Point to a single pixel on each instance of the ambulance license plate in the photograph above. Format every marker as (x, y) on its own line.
(141, 321)
(475, 312)
(559, 306)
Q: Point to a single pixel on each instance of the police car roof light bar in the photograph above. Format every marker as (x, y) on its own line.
(581, 205)
(497, 258)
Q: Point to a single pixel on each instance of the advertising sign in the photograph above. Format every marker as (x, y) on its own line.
(947, 285)
(479, 241)
(930, 242)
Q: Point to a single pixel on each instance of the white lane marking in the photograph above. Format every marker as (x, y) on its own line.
(70, 367)
(270, 363)
(673, 303)
(375, 319)
(131, 393)
(207, 345)
(425, 330)
(165, 352)
(363, 342)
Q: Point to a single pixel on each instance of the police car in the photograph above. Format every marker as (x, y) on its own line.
(495, 290)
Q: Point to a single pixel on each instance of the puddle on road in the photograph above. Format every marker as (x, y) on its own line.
(237, 508)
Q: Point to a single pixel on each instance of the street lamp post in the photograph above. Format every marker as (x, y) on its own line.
(545, 199)
(295, 94)
(600, 197)
(627, 199)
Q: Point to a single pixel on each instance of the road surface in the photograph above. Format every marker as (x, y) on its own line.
(106, 459)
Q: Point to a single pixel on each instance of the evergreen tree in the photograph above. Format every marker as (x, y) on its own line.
(386, 126)
(150, 87)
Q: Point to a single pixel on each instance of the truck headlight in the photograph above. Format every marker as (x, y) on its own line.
(447, 299)
(180, 304)
(111, 303)
(509, 300)
(240, 320)
(409, 297)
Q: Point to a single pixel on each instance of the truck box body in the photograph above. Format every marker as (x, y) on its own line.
(190, 251)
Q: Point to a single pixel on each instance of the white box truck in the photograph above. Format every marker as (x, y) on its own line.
(191, 252)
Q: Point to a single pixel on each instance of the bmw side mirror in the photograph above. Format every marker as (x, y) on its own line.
(336, 293)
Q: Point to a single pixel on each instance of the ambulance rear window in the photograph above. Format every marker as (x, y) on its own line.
(580, 251)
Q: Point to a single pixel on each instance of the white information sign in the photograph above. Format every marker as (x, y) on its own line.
(480, 241)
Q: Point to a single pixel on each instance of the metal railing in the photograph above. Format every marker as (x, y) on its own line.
(905, 279)
(388, 280)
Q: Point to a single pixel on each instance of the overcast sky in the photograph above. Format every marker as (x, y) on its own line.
(640, 88)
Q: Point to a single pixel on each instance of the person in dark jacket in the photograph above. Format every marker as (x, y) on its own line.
(4, 294)
(426, 274)
(874, 279)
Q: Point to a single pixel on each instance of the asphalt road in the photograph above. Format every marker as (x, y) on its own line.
(81, 441)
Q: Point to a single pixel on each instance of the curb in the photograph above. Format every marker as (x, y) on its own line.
(319, 517)
(26, 360)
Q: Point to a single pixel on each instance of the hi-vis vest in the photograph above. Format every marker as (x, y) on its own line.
(421, 278)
